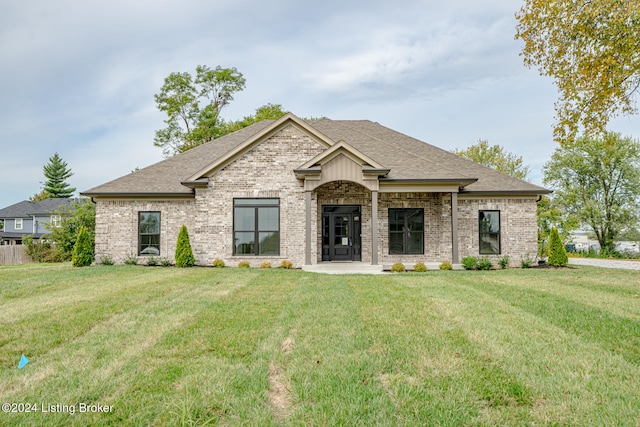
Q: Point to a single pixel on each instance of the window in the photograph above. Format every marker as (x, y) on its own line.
(489, 226)
(18, 223)
(256, 226)
(148, 233)
(406, 231)
(55, 220)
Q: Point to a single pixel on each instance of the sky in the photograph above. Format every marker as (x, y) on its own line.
(78, 78)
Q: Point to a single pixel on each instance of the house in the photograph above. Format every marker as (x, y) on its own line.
(30, 218)
(317, 191)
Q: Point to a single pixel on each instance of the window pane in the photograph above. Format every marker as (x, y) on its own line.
(490, 243)
(396, 220)
(254, 202)
(415, 245)
(244, 219)
(415, 219)
(244, 242)
(489, 221)
(269, 243)
(268, 219)
(396, 245)
(149, 223)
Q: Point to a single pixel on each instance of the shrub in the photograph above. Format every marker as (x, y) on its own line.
(265, 264)
(420, 267)
(218, 263)
(469, 263)
(398, 267)
(82, 255)
(446, 265)
(131, 259)
(151, 260)
(244, 264)
(484, 263)
(504, 262)
(285, 263)
(526, 261)
(557, 252)
(36, 249)
(165, 262)
(106, 260)
(184, 254)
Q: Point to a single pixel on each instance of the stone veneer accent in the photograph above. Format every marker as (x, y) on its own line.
(266, 171)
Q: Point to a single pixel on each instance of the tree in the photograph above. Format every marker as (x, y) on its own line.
(38, 197)
(82, 249)
(56, 172)
(193, 106)
(592, 51)
(496, 157)
(597, 182)
(75, 217)
(557, 253)
(184, 254)
(266, 112)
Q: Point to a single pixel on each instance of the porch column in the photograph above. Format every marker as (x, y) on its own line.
(454, 229)
(307, 240)
(374, 227)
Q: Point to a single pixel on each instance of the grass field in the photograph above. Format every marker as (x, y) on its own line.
(204, 346)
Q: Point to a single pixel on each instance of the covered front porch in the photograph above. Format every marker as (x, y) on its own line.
(348, 200)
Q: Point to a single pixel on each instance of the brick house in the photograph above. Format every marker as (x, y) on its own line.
(317, 191)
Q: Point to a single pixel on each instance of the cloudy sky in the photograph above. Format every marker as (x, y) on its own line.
(78, 77)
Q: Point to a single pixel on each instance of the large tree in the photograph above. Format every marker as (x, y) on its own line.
(57, 172)
(592, 51)
(597, 183)
(193, 105)
(266, 112)
(495, 157)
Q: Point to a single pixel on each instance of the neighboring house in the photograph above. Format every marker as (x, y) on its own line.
(30, 218)
(317, 191)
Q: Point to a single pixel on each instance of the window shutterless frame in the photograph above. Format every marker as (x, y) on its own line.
(406, 231)
(149, 233)
(489, 230)
(256, 227)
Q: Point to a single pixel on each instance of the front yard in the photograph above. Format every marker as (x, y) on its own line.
(130, 345)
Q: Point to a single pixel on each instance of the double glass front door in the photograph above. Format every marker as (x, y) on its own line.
(341, 229)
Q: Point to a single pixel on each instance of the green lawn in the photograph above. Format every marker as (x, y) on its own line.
(204, 346)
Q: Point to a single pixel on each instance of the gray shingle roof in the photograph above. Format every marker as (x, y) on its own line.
(26, 208)
(408, 159)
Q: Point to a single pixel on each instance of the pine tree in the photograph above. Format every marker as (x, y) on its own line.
(57, 172)
(184, 254)
(557, 252)
(82, 250)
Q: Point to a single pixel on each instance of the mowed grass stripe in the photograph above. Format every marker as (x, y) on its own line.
(566, 372)
(613, 329)
(202, 346)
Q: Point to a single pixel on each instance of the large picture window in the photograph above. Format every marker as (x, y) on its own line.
(149, 233)
(489, 226)
(406, 231)
(256, 226)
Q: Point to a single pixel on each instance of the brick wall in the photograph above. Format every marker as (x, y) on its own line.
(117, 226)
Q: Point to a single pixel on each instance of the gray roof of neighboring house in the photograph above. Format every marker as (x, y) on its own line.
(406, 157)
(27, 208)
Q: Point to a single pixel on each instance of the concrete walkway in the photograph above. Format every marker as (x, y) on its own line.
(343, 268)
(606, 263)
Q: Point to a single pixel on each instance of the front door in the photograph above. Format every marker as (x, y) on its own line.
(341, 233)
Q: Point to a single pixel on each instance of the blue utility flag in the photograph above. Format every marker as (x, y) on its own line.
(23, 362)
